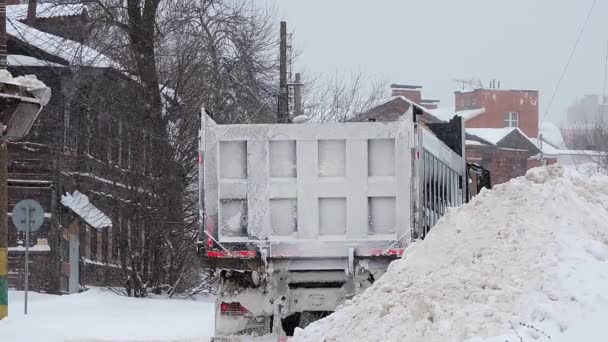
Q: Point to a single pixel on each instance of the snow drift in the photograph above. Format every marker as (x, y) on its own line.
(525, 261)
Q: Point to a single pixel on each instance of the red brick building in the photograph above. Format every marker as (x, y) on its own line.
(502, 125)
(504, 151)
(502, 108)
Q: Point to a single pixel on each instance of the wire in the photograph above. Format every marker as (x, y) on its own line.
(605, 84)
(578, 39)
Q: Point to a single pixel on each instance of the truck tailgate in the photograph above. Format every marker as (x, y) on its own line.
(308, 190)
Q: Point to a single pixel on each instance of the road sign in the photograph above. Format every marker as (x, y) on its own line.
(28, 216)
(26, 208)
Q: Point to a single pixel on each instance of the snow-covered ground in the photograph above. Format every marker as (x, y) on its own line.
(526, 261)
(100, 315)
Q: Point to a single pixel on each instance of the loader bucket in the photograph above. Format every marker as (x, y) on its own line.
(20, 105)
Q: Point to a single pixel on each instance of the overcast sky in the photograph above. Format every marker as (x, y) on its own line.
(523, 43)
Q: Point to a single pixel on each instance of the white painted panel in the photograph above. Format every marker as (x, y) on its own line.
(382, 215)
(308, 204)
(355, 188)
(283, 216)
(332, 216)
(233, 159)
(283, 159)
(332, 158)
(381, 157)
(233, 217)
(258, 225)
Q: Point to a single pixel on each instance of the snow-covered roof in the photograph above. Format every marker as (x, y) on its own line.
(547, 148)
(392, 109)
(491, 135)
(79, 203)
(20, 61)
(552, 134)
(495, 135)
(447, 113)
(474, 143)
(72, 52)
(581, 153)
(45, 10)
(35, 248)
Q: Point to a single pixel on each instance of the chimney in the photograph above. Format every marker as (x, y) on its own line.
(31, 11)
(429, 103)
(410, 92)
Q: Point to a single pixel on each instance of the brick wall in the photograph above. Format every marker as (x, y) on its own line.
(497, 102)
(503, 164)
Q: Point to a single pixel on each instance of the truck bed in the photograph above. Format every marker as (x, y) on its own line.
(306, 190)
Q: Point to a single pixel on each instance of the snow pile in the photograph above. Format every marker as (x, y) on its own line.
(527, 259)
(587, 168)
(102, 316)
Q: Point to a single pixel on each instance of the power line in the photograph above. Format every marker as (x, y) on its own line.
(578, 39)
(605, 84)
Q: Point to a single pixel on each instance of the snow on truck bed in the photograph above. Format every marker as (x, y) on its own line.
(526, 261)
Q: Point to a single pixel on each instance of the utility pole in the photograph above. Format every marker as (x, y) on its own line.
(283, 115)
(3, 185)
(297, 96)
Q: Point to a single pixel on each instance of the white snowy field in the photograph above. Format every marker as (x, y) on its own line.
(99, 315)
(527, 261)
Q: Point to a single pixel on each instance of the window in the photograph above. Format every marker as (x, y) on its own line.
(511, 119)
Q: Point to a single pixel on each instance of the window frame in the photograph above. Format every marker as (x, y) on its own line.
(511, 120)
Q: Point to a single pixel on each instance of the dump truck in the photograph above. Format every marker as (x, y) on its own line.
(298, 218)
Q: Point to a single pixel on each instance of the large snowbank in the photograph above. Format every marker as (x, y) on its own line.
(532, 252)
(102, 316)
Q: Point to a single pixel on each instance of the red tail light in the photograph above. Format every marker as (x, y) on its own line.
(235, 309)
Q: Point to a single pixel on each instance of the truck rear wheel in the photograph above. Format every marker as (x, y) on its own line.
(301, 320)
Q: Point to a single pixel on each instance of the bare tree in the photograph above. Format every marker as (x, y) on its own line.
(592, 139)
(186, 54)
(338, 98)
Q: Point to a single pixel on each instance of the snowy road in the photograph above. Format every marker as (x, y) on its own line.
(98, 315)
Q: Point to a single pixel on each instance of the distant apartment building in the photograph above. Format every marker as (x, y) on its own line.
(587, 110)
